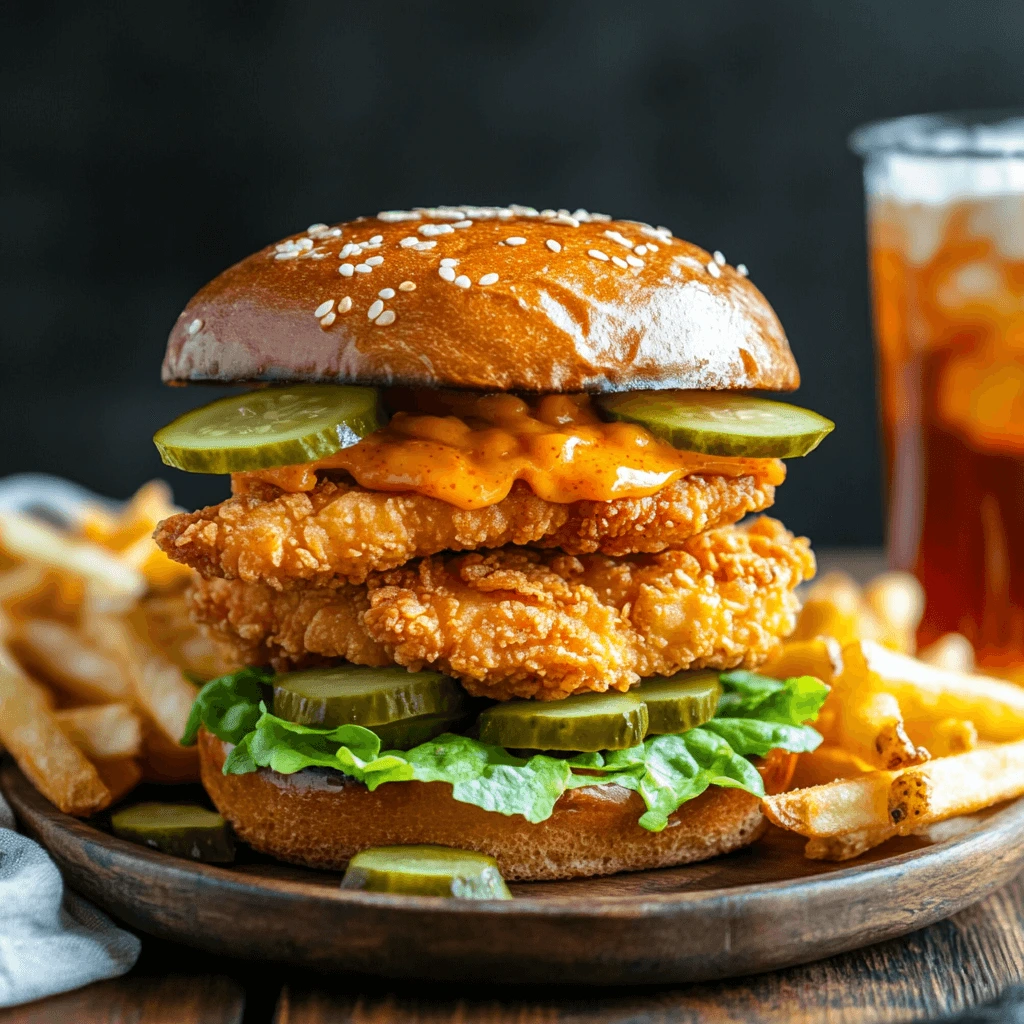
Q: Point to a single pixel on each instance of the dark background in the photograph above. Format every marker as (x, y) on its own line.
(143, 148)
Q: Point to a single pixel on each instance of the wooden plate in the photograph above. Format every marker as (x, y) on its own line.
(758, 909)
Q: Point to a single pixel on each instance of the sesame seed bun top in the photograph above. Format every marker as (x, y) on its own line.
(496, 299)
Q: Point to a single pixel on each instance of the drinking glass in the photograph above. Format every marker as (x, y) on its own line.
(945, 216)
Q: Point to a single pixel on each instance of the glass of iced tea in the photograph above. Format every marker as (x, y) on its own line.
(945, 207)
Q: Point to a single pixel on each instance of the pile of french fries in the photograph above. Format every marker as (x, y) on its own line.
(909, 740)
(95, 653)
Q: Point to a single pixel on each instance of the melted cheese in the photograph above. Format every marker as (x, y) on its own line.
(469, 450)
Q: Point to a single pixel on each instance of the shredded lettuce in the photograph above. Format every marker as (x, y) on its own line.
(755, 715)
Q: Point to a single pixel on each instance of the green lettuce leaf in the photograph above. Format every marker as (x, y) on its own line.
(786, 701)
(756, 714)
(228, 706)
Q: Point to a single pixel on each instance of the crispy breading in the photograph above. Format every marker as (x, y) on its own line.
(517, 622)
(341, 533)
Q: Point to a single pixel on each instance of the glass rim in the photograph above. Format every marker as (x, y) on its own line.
(963, 134)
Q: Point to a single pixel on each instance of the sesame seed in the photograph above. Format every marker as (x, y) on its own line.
(305, 243)
(713, 269)
(348, 249)
(376, 239)
(387, 293)
(615, 236)
(564, 218)
(436, 229)
(346, 269)
(375, 309)
(287, 254)
(719, 258)
(407, 286)
(327, 320)
(449, 262)
(515, 240)
(424, 246)
(462, 281)
(387, 317)
(315, 227)
(463, 224)
(640, 250)
(317, 255)
(393, 216)
(324, 308)
(553, 245)
(652, 247)
(364, 268)
(375, 261)
(408, 240)
(195, 326)
(447, 274)
(488, 279)
(741, 269)
(597, 254)
(345, 304)
(619, 262)
(633, 261)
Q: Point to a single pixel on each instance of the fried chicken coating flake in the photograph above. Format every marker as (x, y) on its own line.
(524, 623)
(340, 533)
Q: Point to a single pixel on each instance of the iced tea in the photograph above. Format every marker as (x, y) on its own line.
(947, 270)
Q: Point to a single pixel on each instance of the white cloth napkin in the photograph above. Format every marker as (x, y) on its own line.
(51, 940)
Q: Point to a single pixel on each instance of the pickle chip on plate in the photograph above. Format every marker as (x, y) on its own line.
(426, 871)
(182, 830)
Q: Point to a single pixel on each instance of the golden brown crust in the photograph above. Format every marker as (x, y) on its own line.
(321, 819)
(522, 623)
(339, 533)
(565, 320)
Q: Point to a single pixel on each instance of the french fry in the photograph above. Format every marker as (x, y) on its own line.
(952, 652)
(951, 786)
(948, 737)
(51, 762)
(64, 657)
(929, 695)
(896, 600)
(826, 764)
(160, 689)
(107, 577)
(151, 503)
(834, 608)
(846, 847)
(821, 657)
(870, 725)
(166, 762)
(120, 776)
(102, 732)
(835, 809)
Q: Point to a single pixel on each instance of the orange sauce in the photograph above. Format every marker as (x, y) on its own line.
(468, 450)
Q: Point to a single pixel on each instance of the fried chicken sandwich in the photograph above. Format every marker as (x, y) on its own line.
(485, 568)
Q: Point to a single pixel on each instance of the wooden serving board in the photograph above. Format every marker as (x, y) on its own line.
(755, 910)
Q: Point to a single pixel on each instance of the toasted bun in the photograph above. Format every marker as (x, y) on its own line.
(321, 819)
(565, 312)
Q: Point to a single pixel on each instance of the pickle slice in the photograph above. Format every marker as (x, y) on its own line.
(681, 702)
(721, 423)
(411, 732)
(355, 695)
(182, 830)
(426, 871)
(279, 426)
(589, 722)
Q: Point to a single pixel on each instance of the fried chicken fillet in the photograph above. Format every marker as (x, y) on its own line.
(341, 533)
(518, 622)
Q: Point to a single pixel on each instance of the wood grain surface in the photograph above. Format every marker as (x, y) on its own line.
(951, 966)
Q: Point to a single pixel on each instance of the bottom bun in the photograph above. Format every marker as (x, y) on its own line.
(321, 818)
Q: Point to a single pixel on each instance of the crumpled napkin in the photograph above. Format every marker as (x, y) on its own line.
(51, 940)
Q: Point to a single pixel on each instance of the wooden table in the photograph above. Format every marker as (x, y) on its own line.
(960, 963)
(949, 967)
